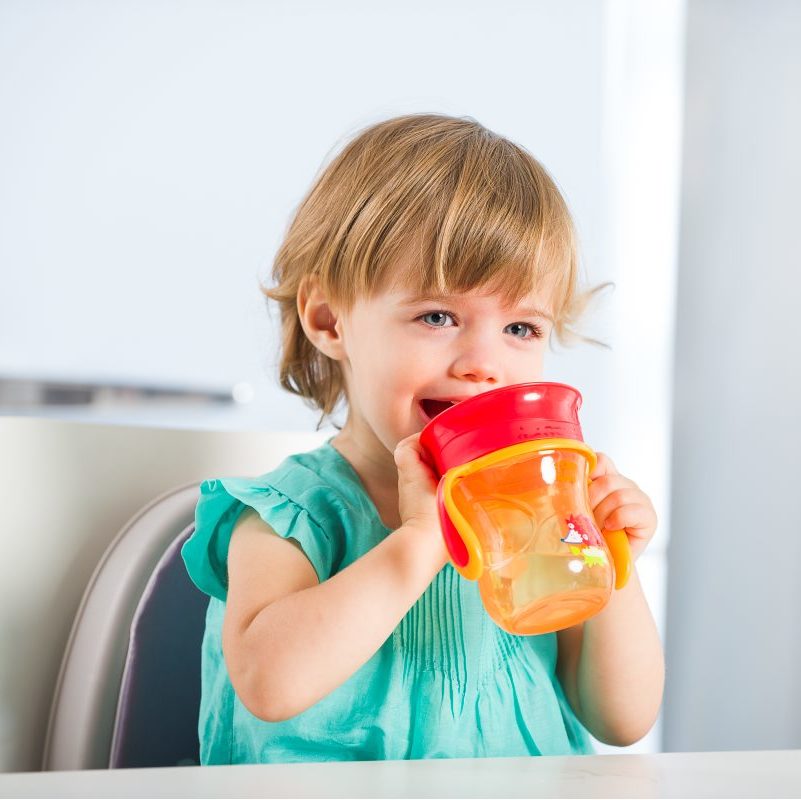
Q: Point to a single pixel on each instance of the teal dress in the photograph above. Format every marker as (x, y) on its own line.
(447, 683)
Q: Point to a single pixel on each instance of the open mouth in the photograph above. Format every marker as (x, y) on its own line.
(431, 408)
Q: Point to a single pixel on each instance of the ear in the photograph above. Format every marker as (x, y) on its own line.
(320, 320)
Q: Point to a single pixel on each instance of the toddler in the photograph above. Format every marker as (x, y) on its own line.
(431, 261)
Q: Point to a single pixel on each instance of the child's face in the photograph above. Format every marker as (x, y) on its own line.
(406, 357)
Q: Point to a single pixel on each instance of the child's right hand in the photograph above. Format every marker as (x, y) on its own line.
(417, 486)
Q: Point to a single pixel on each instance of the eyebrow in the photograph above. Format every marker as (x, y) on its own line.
(526, 311)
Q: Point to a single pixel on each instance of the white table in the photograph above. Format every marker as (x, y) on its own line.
(725, 774)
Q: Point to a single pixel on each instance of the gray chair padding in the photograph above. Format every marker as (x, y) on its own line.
(86, 701)
(157, 714)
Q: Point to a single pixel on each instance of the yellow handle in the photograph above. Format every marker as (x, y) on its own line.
(618, 544)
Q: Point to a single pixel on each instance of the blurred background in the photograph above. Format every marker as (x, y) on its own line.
(152, 154)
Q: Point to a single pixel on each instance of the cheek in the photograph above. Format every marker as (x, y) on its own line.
(394, 373)
(530, 367)
(401, 352)
(381, 371)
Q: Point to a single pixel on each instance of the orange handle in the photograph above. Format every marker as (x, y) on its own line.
(618, 544)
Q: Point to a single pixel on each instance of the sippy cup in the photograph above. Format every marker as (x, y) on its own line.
(514, 507)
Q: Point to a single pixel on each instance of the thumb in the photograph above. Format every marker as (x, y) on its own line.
(411, 445)
(412, 461)
(404, 450)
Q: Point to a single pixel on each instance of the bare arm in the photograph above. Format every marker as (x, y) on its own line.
(286, 652)
(612, 668)
(289, 640)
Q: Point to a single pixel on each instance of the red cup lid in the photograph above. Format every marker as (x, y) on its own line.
(500, 418)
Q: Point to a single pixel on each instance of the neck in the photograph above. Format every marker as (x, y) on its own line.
(374, 465)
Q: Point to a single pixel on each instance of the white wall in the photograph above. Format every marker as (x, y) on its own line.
(733, 645)
(157, 149)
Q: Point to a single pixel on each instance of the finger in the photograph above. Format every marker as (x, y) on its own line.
(605, 485)
(405, 453)
(410, 443)
(604, 466)
(425, 456)
(633, 518)
(414, 437)
(410, 459)
(616, 499)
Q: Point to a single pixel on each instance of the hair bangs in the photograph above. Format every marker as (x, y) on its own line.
(495, 223)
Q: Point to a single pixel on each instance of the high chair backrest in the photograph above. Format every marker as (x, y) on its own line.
(129, 686)
(156, 723)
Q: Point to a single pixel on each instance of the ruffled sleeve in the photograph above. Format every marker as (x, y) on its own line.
(221, 503)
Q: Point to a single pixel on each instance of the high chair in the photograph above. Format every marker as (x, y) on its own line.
(128, 690)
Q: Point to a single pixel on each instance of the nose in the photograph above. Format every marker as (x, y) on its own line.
(476, 363)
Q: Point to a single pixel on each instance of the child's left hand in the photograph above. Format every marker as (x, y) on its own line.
(620, 505)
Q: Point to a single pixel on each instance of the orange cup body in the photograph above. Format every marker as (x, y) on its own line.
(544, 563)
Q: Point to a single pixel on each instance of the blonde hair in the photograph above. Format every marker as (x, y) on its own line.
(472, 208)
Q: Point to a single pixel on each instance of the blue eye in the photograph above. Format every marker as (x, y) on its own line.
(520, 330)
(436, 319)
